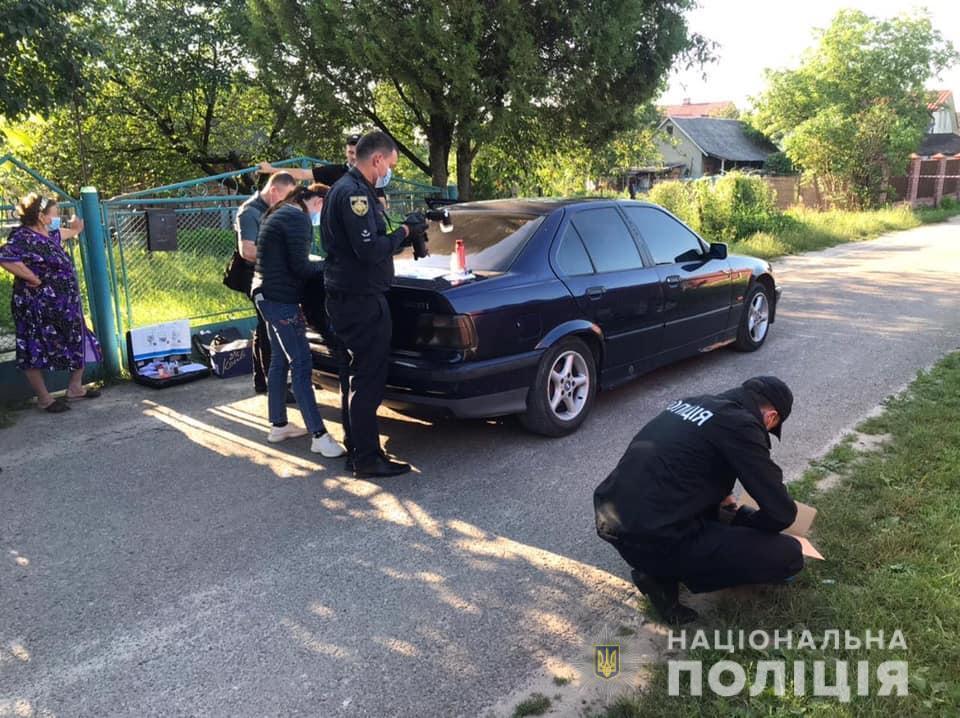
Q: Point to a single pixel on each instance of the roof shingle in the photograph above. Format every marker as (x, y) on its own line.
(725, 139)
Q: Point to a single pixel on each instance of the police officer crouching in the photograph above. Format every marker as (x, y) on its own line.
(358, 273)
(667, 506)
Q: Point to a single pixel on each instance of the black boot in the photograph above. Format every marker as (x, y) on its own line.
(378, 465)
(664, 594)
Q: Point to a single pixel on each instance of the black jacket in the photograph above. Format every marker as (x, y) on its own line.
(359, 251)
(683, 463)
(283, 256)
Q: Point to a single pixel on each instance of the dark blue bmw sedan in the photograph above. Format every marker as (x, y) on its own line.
(561, 299)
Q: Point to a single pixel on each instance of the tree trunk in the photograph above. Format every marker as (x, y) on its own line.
(440, 138)
(465, 157)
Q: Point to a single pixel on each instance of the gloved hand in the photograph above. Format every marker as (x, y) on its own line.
(416, 223)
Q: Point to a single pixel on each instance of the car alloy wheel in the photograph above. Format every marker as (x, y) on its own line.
(758, 319)
(568, 387)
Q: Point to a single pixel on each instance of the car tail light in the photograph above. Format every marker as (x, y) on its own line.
(447, 331)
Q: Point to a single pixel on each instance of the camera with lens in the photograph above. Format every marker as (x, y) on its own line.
(418, 238)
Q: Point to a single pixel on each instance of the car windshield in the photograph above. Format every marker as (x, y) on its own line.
(492, 240)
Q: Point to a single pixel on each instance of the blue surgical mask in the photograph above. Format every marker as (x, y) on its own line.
(385, 180)
(54, 225)
(315, 219)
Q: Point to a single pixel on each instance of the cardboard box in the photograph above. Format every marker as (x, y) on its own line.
(232, 359)
(799, 529)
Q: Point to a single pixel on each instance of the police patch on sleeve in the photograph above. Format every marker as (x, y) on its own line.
(359, 205)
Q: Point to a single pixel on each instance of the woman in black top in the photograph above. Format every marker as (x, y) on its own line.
(282, 271)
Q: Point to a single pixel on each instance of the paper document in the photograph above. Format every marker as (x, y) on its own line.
(798, 529)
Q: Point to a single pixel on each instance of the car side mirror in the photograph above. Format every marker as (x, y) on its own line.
(718, 250)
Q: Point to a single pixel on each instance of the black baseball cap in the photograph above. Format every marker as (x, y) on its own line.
(353, 139)
(776, 392)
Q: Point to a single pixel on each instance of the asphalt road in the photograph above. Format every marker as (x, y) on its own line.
(158, 558)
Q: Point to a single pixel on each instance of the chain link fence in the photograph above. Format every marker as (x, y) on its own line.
(153, 286)
(181, 282)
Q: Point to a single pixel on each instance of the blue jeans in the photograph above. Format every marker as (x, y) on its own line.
(289, 350)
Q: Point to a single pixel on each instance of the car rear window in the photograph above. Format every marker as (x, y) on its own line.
(493, 240)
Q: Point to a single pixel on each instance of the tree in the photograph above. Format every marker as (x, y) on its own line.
(470, 73)
(855, 109)
(172, 93)
(40, 51)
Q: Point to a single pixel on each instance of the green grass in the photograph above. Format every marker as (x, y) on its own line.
(891, 535)
(803, 230)
(536, 705)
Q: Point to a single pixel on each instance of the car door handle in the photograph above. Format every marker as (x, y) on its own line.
(596, 292)
(673, 280)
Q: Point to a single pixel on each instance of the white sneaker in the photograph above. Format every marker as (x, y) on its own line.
(281, 433)
(327, 446)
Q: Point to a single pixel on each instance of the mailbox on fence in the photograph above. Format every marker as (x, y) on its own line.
(161, 230)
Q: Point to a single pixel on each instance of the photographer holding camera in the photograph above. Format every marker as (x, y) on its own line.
(357, 276)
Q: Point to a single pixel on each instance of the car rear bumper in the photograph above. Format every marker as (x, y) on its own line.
(467, 390)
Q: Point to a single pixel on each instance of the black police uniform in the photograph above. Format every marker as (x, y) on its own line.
(358, 273)
(659, 505)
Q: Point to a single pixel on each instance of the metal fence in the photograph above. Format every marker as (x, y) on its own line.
(136, 283)
(152, 286)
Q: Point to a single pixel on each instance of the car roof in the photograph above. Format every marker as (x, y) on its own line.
(539, 206)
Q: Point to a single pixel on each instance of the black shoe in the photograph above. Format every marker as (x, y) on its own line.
(378, 466)
(664, 594)
(259, 388)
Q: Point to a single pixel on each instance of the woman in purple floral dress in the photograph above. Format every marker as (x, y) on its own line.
(46, 306)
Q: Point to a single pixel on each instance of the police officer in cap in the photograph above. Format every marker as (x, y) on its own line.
(359, 271)
(667, 506)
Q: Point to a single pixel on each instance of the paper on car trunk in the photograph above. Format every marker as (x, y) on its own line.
(800, 527)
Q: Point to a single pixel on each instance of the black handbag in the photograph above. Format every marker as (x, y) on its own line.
(238, 275)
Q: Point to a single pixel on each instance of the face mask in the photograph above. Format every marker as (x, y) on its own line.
(315, 219)
(54, 224)
(385, 180)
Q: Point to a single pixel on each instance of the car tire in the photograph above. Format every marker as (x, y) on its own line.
(755, 320)
(563, 391)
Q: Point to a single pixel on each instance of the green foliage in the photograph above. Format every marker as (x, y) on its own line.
(723, 209)
(779, 164)
(855, 108)
(536, 705)
(473, 74)
(171, 94)
(42, 45)
(741, 210)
